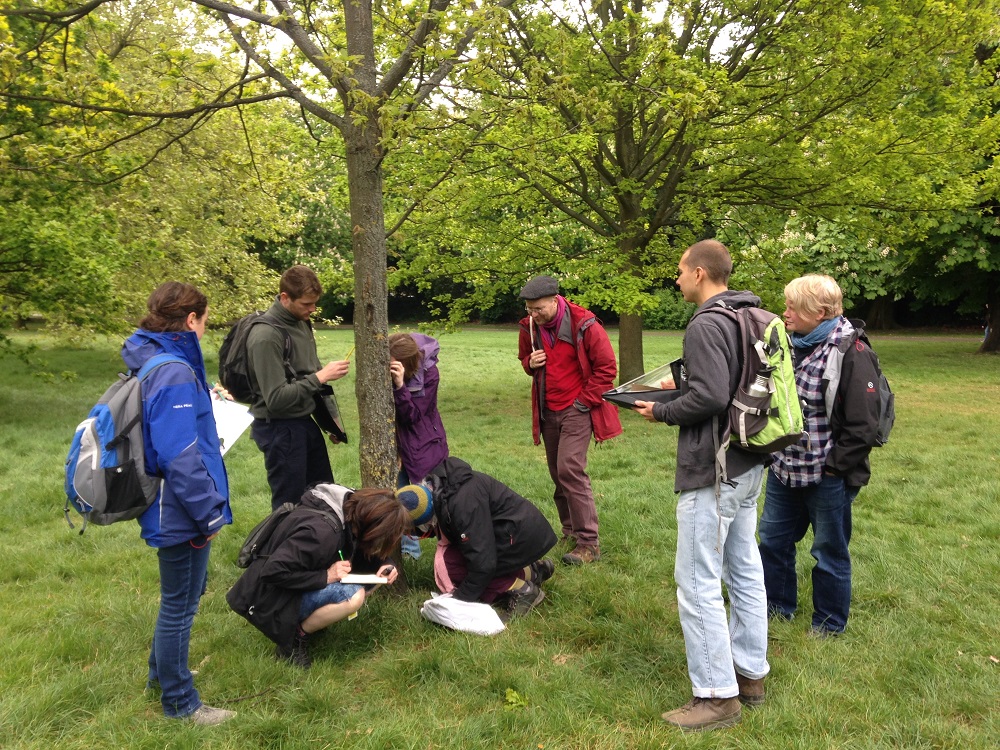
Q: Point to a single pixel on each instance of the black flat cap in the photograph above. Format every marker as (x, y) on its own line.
(540, 286)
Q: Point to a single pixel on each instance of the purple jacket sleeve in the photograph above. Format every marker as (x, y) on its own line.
(413, 408)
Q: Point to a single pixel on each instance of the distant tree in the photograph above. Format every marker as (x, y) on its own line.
(645, 124)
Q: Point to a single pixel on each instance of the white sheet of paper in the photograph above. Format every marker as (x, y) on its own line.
(363, 578)
(231, 421)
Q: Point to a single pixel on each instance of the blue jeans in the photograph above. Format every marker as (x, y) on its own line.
(332, 593)
(788, 514)
(716, 544)
(183, 578)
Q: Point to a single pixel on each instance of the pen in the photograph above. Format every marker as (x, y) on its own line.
(348, 355)
(341, 553)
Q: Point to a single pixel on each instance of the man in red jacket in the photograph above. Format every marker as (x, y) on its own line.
(566, 351)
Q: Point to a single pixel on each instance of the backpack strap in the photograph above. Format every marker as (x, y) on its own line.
(721, 444)
(286, 354)
(326, 515)
(151, 364)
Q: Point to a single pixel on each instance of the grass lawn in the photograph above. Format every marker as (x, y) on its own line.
(594, 666)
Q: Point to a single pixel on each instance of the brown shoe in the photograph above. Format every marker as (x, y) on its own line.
(703, 714)
(582, 555)
(751, 691)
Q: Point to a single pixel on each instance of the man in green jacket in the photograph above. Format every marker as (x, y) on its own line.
(284, 396)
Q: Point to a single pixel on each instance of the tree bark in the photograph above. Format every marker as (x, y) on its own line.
(630, 356)
(362, 133)
(373, 387)
(880, 314)
(991, 341)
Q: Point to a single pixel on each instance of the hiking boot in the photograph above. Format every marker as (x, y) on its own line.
(542, 570)
(582, 555)
(524, 599)
(298, 655)
(207, 716)
(751, 691)
(703, 714)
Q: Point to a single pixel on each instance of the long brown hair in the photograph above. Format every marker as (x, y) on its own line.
(377, 520)
(170, 304)
(404, 349)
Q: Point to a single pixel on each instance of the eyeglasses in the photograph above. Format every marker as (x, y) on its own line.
(533, 310)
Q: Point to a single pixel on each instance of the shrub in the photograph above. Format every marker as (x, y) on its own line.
(672, 313)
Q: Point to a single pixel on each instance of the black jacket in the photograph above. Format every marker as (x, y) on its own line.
(497, 530)
(294, 560)
(854, 416)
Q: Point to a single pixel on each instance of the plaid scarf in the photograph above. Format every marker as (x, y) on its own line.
(802, 465)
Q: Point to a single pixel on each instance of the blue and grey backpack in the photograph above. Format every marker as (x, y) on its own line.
(106, 480)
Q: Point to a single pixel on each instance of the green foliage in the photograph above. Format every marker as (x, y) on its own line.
(864, 267)
(101, 208)
(593, 666)
(672, 313)
(596, 143)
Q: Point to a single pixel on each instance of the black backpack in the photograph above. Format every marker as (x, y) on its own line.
(886, 398)
(234, 364)
(262, 532)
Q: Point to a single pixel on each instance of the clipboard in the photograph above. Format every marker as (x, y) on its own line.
(327, 415)
(646, 387)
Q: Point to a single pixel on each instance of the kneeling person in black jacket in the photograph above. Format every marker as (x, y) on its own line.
(490, 539)
(294, 586)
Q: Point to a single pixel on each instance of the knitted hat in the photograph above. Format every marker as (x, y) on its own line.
(418, 502)
(540, 286)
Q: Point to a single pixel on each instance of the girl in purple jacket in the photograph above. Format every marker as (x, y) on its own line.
(420, 437)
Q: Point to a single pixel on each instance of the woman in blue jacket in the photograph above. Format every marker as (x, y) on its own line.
(182, 447)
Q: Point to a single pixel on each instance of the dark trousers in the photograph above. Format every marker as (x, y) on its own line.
(566, 435)
(294, 455)
(788, 514)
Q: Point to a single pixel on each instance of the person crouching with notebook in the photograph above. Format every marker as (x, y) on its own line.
(294, 587)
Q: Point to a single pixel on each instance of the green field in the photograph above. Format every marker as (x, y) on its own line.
(594, 666)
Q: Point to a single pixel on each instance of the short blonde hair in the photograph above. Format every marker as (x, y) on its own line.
(815, 293)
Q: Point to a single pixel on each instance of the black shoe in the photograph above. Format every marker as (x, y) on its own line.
(299, 654)
(524, 599)
(542, 570)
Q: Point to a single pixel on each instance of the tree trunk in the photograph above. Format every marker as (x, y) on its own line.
(880, 314)
(362, 135)
(373, 386)
(991, 341)
(630, 358)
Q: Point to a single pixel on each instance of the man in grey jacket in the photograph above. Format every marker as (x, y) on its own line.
(294, 450)
(716, 524)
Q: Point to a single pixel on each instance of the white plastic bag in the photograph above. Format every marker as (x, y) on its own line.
(468, 617)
